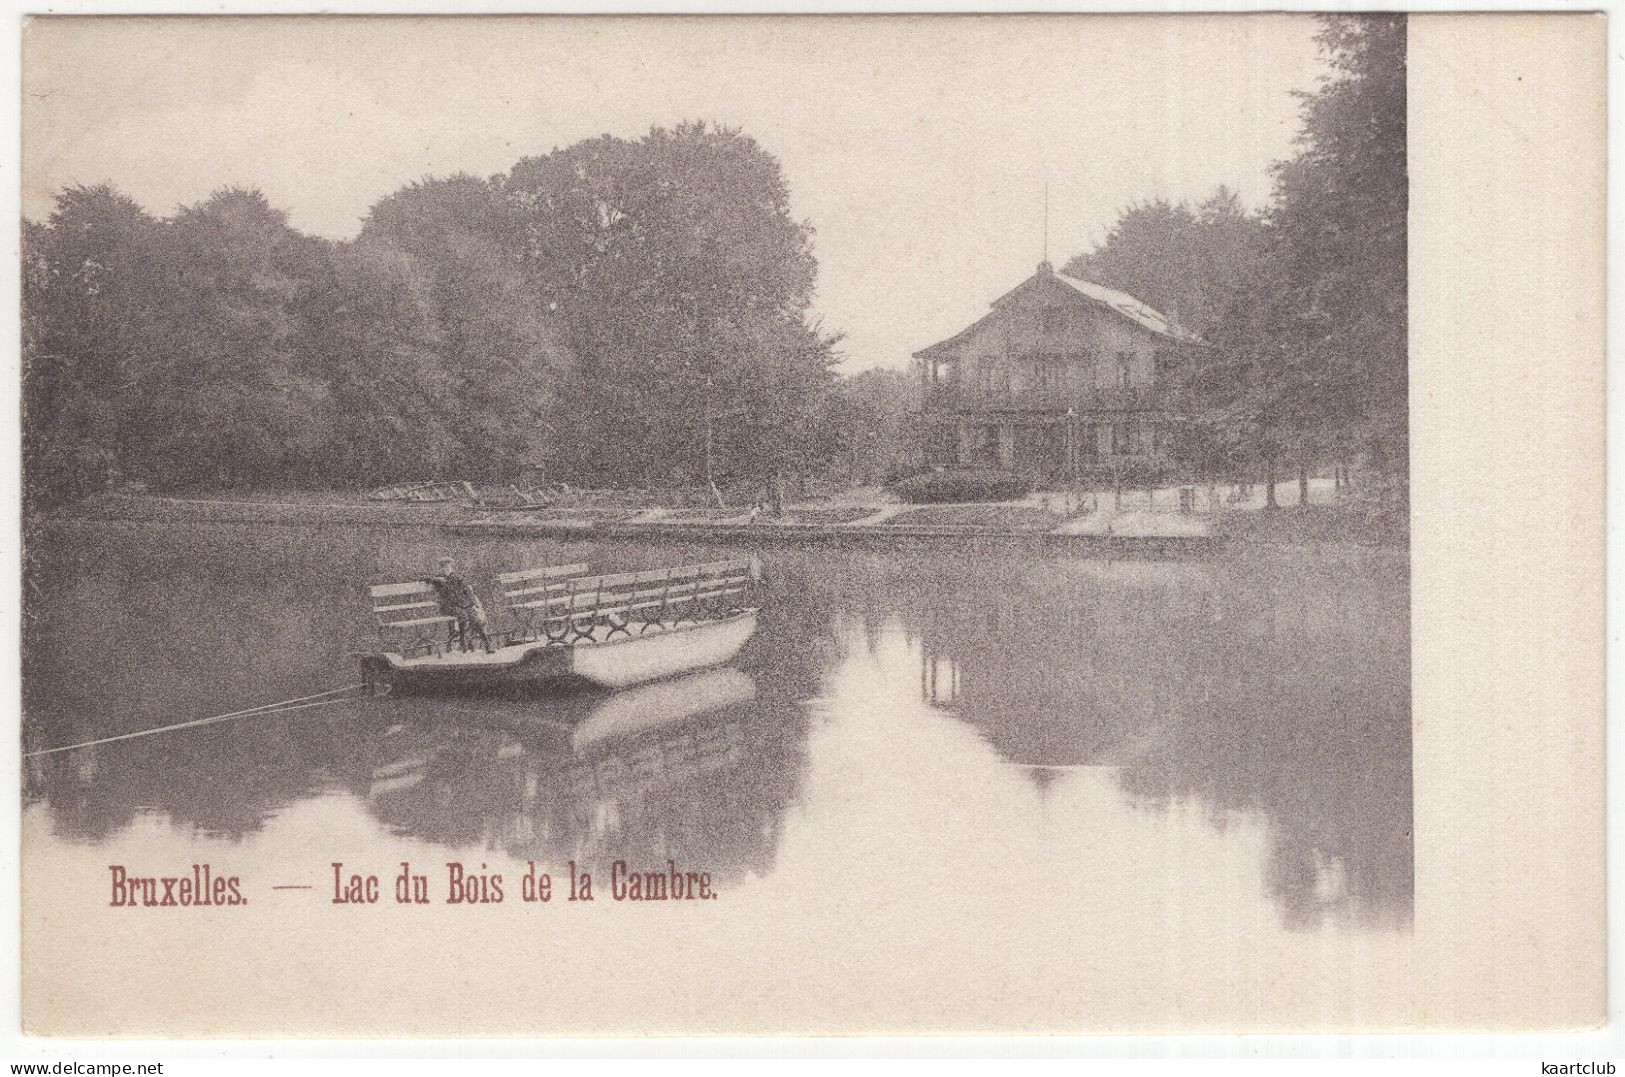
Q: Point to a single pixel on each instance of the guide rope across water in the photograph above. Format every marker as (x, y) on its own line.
(298, 703)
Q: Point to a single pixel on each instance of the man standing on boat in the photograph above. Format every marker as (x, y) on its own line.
(457, 599)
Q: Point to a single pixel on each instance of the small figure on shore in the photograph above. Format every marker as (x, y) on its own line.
(458, 600)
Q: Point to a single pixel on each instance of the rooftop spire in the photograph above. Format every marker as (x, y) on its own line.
(1046, 222)
(1044, 266)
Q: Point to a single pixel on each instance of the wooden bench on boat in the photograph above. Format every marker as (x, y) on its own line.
(528, 595)
(567, 607)
(412, 612)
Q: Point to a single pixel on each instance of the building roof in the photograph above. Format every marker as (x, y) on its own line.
(931, 349)
(1120, 303)
(1128, 306)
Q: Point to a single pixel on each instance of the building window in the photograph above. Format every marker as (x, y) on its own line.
(990, 446)
(1121, 433)
(1088, 441)
(1124, 377)
(992, 381)
(1053, 319)
(1162, 440)
(942, 371)
(1046, 375)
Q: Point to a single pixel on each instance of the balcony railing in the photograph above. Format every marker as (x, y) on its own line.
(951, 397)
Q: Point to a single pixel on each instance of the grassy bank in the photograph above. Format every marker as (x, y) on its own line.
(1351, 523)
(1355, 523)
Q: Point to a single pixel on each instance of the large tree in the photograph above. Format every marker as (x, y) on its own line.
(1303, 308)
(231, 397)
(1181, 259)
(871, 418)
(1340, 249)
(683, 284)
(634, 311)
(459, 245)
(90, 324)
(374, 328)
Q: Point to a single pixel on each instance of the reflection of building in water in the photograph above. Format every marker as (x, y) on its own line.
(1272, 691)
(939, 676)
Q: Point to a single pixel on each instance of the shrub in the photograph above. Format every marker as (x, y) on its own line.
(980, 485)
(897, 474)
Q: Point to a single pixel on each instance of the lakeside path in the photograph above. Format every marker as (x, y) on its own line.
(1094, 529)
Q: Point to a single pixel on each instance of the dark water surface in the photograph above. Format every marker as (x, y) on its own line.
(1269, 696)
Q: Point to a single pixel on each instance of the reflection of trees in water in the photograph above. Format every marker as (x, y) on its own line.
(701, 770)
(135, 626)
(136, 629)
(708, 788)
(224, 780)
(1279, 690)
(1308, 724)
(1276, 690)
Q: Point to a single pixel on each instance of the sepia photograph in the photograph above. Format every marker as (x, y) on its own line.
(710, 525)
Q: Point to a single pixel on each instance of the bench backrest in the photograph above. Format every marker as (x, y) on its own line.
(547, 598)
(401, 603)
(653, 589)
(529, 586)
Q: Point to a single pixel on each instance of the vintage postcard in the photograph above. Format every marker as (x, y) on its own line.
(543, 526)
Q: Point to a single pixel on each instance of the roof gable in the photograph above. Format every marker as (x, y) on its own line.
(942, 345)
(1096, 296)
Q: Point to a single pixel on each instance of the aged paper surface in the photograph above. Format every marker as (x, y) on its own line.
(907, 828)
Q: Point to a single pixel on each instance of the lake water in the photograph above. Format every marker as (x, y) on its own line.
(1031, 744)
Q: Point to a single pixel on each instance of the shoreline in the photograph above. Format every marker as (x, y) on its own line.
(461, 518)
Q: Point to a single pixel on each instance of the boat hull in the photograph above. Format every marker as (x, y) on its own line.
(635, 659)
(605, 659)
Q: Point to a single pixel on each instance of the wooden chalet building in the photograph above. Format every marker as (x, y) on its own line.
(1062, 379)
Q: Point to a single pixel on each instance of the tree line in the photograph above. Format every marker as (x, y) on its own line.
(1302, 305)
(619, 311)
(637, 312)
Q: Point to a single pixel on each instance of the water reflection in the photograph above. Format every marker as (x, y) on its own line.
(1270, 697)
(699, 769)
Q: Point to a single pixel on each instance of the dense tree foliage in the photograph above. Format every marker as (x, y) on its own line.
(637, 311)
(617, 312)
(1180, 259)
(90, 322)
(1302, 306)
(682, 284)
(229, 392)
(871, 419)
(455, 241)
(1340, 220)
